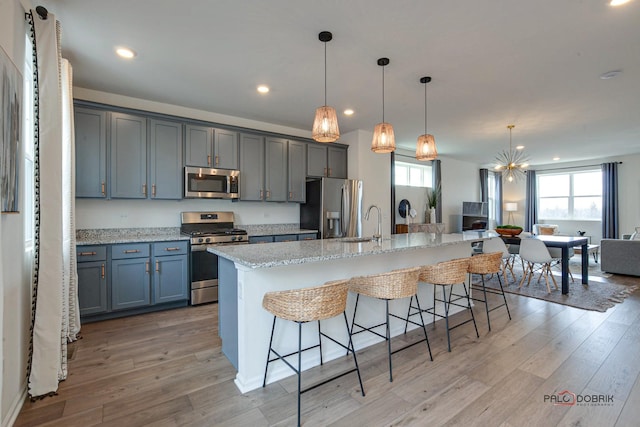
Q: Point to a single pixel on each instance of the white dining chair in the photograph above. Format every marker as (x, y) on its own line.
(496, 244)
(532, 252)
(556, 254)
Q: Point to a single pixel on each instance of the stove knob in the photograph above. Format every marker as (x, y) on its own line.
(200, 240)
(207, 240)
(233, 239)
(240, 238)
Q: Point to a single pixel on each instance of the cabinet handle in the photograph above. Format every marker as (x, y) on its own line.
(268, 194)
(291, 194)
(217, 160)
(153, 190)
(171, 249)
(329, 172)
(103, 188)
(209, 160)
(132, 251)
(261, 193)
(87, 253)
(157, 266)
(144, 189)
(325, 173)
(146, 267)
(308, 238)
(102, 271)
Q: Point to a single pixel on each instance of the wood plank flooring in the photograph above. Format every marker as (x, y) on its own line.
(166, 369)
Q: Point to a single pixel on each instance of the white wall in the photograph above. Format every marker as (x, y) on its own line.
(15, 278)
(460, 183)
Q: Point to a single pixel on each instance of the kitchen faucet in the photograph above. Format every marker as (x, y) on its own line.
(378, 236)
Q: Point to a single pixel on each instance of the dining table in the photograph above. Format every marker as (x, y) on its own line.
(565, 243)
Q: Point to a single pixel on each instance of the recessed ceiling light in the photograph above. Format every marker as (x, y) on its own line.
(125, 52)
(348, 112)
(263, 89)
(618, 2)
(519, 147)
(610, 74)
(555, 159)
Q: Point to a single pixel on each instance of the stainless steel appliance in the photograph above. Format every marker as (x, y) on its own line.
(208, 229)
(204, 183)
(334, 207)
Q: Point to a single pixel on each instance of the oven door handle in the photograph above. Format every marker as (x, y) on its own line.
(198, 248)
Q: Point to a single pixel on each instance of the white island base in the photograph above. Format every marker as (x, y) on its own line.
(247, 272)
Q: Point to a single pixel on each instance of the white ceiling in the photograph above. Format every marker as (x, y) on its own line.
(535, 64)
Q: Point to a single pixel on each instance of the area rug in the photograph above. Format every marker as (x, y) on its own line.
(599, 295)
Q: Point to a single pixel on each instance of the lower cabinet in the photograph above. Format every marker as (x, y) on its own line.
(120, 279)
(282, 238)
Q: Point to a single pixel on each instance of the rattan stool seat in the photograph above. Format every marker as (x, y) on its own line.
(308, 304)
(445, 273)
(488, 263)
(392, 285)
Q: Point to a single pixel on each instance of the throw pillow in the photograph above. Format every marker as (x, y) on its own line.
(548, 231)
(636, 235)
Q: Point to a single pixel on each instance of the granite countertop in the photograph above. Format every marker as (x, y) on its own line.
(106, 236)
(300, 252)
(274, 229)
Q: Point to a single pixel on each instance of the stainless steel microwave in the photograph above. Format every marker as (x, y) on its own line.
(207, 183)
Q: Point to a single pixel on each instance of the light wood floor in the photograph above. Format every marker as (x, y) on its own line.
(166, 369)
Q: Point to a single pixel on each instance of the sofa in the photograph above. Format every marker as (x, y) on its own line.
(620, 256)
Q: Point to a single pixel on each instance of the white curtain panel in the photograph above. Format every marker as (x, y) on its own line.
(56, 308)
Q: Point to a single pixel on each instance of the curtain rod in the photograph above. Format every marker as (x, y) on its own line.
(574, 167)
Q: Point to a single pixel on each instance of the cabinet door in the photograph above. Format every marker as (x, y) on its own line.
(128, 156)
(92, 287)
(308, 236)
(297, 162)
(198, 145)
(130, 283)
(316, 160)
(276, 169)
(170, 279)
(166, 160)
(337, 162)
(251, 167)
(91, 152)
(225, 149)
(260, 239)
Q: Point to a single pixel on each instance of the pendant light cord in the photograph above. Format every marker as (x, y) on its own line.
(425, 108)
(383, 94)
(325, 73)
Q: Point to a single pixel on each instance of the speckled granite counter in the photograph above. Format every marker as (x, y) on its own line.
(273, 229)
(107, 236)
(300, 252)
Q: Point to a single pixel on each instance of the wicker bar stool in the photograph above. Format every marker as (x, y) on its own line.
(446, 274)
(482, 264)
(388, 286)
(308, 305)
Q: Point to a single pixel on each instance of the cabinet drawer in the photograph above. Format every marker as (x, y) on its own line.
(285, 238)
(261, 239)
(170, 248)
(91, 253)
(308, 236)
(134, 250)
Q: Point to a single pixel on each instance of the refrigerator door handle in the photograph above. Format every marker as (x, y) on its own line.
(345, 210)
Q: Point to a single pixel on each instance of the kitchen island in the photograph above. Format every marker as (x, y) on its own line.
(247, 272)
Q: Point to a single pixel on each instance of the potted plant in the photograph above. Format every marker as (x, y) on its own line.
(508, 230)
(433, 195)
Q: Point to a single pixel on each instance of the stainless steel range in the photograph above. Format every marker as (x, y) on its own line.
(208, 229)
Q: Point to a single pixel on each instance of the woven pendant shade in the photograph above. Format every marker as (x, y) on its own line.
(426, 149)
(325, 125)
(384, 140)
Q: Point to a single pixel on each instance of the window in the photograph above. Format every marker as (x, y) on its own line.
(492, 200)
(413, 175)
(27, 126)
(570, 195)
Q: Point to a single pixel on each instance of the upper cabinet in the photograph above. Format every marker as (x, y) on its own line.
(128, 156)
(211, 148)
(276, 169)
(326, 160)
(91, 152)
(165, 166)
(251, 167)
(297, 167)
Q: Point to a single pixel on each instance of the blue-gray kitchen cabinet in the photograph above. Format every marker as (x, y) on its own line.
(225, 149)
(92, 279)
(297, 168)
(276, 169)
(91, 152)
(170, 271)
(130, 276)
(210, 147)
(128, 156)
(251, 167)
(165, 159)
(326, 161)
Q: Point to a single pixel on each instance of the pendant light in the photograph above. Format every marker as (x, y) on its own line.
(325, 124)
(383, 139)
(513, 162)
(426, 148)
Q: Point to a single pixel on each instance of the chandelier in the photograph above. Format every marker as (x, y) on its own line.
(512, 163)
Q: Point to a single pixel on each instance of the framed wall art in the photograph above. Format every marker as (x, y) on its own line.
(10, 125)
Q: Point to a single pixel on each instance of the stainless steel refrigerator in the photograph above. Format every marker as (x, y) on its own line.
(333, 207)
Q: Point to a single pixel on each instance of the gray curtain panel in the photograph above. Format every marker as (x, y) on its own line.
(531, 208)
(437, 183)
(610, 211)
(484, 185)
(498, 189)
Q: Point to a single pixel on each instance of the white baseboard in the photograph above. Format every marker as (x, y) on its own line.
(14, 410)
